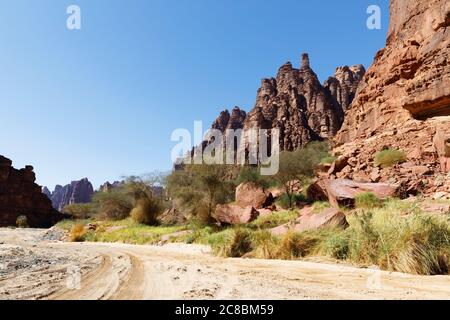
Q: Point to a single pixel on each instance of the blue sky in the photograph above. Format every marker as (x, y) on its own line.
(102, 102)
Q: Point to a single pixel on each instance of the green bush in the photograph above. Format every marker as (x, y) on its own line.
(389, 157)
(299, 165)
(242, 243)
(274, 220)
(296, 245)
(113, 205)
(22, 221)
(198, 189)
(367, 200)
(287, 202)
(146, 211)
(265, 245)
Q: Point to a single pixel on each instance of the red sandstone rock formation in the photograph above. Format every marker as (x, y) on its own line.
(298, 105)
(410, 78)
(20, 196)
(403, 102)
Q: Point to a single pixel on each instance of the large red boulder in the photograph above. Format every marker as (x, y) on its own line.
(233, 214)
(342, 192)
(250, 195)
(311, 220)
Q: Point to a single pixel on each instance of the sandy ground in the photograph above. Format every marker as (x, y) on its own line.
(35, 266)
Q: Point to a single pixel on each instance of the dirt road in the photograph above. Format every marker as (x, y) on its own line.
(32, 266)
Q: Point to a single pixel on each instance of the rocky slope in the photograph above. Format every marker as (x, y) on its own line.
(76, 192)
(410, 78)
(20, 196)
(298, 104)
(403, 102)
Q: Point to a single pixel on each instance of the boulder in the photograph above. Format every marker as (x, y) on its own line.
(232, 214)
(338, 165)
(310, 220)
(276, 192)
(250, 195)
(342, 192)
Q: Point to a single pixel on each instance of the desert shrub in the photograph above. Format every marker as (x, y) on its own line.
(417, 244)
(113, 205)
(200, 188)
(146, 211)
(389, 157)
(229, 242)
(147, 204)
(22, 221)
(77, 233)
(220, 242)
(296, 245)
(265, 245)
(273, 220)
(335, 245)
(80, 210)
(241, 244)
(287, 202)
(299, 165)
(367, 200)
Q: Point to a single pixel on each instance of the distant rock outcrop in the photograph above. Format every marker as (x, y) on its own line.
(76, 192)
(20, 196)
(108, 186)
(297, 104)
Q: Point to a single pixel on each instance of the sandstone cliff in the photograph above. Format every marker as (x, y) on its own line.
(20, 196)
(410, 78)
(403, 102)
(76, 192)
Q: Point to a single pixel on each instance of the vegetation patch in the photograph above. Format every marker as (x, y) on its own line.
(367, 200)
(389, 157)
(274, 220)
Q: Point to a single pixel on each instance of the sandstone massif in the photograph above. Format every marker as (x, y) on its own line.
(296, 103)
(403, 102)
(79, 191)
(21, 196)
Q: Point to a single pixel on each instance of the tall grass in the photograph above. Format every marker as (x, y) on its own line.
(417, 243)
(395, 236)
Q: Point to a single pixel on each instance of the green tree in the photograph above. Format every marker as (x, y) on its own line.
(299, 166)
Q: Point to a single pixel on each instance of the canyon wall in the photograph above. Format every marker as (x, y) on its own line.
(21, 196)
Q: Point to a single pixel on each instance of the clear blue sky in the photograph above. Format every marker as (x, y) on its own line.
(103, 101)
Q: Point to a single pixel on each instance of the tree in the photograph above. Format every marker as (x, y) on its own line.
(299, 166)
(199, 188)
